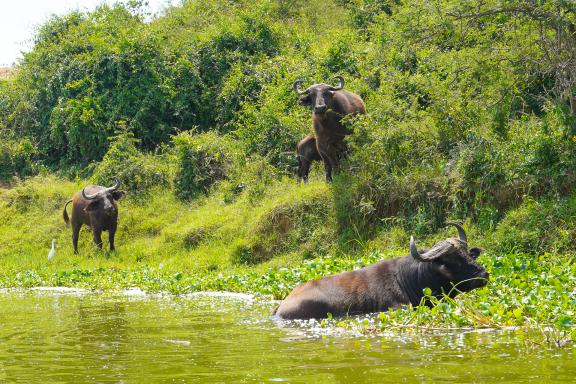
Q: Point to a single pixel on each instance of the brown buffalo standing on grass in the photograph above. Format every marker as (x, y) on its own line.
(96, 207)
(330, 104)
(307, 153)
(448, 267)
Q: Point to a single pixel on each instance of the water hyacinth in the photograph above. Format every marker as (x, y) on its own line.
(542, 296)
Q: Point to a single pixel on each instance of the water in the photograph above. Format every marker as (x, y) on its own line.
(48, 337)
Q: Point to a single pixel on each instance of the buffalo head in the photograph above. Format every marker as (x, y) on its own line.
(453, 262)
(318, 96)
(103, 200)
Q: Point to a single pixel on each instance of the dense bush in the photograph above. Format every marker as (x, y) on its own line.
(86, 73)
(17, 158)
(201, 161)
(89, 71)
(135, 170)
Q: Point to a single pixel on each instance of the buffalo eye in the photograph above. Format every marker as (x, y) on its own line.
(117, 195)
(445, 270)
(306, 100)
(475, 252)
(92, 206)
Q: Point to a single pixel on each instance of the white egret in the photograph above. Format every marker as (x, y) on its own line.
(52, 251)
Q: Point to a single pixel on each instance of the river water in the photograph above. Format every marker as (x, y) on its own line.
(64, 337)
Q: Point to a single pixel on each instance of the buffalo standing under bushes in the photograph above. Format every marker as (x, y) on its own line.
(448, 267)
(96, 207)
(330, 104)
(307, 152)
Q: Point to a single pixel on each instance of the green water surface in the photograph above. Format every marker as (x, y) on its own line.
(48, 337)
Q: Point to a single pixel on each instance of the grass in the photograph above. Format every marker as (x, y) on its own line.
(267, 248)
(156, 228)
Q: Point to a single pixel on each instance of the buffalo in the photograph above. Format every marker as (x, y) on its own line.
(307, 153)
(96, 207)
(330, 104)
(449, 267)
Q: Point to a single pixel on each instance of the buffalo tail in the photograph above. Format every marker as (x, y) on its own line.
(65, 214)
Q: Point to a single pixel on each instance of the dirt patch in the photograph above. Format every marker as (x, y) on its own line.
(6, 72)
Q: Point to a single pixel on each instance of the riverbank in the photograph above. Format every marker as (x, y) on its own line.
(532, 296)
(168, 246)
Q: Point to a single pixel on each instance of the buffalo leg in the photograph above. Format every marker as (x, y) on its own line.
(327, 168)
(97, 234)
(75, 235)
(111, 234)
(304, 169)
(334, 159)
(330, 159)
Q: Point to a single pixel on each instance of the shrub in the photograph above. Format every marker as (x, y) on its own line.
(85, 73)
(17, 158)
(537, 227)
(252, 180)
(243, 253)
(247, 41)
(201, 161)
(135, 170)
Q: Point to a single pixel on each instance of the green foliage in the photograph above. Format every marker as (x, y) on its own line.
(202, 160)
(537, 227)
(135, 170)
(487, 175)
(17, 158)
(243, 253)
(365, 12)
(254, 179)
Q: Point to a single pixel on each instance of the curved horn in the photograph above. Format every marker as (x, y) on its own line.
(340, 84)
(88, 197)
(461, 233)
(414, 251)
(114, 187)
(295, 86)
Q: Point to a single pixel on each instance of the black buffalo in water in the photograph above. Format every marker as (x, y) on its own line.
(96, 207)
(448, 267)
(330, 104)
(307, 153)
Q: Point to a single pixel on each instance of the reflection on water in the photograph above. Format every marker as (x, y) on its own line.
(100, 338)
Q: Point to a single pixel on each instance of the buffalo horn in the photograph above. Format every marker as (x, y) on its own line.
(295, 86)
(414, 251)
(340, 84)
(88, 197)
(115, 186)
(461, 232)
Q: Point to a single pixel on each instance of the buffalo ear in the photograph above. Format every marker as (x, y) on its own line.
(92, 206)
(117, 195)
(475, 252)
